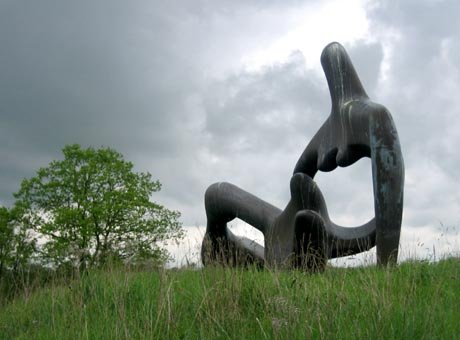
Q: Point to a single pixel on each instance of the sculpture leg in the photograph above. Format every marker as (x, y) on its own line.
(310, 241)
(223, 203)
(297, 237)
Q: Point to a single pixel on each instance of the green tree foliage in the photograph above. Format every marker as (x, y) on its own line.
(91, 207)
(6, 235)
(16, 243)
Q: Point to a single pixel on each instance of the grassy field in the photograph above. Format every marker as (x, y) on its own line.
(415, 300)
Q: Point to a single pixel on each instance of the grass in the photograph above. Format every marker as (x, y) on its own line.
(415, 300)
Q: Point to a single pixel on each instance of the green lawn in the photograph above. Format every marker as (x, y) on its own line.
(415, 300)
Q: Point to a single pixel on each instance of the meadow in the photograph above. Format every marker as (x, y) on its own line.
(413, 300)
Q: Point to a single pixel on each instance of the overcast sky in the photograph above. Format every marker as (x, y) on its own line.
(196, 92)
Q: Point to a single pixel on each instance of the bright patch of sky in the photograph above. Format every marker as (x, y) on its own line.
(313, 27)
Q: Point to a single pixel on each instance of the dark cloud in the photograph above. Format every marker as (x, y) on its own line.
(281, 102)
(130, 76)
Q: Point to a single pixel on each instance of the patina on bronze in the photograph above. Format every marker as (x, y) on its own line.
(303, 235)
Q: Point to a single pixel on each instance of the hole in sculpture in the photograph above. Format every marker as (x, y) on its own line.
(242, 229)
(348, 193)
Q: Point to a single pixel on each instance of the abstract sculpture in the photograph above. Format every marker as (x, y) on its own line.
(302, 235)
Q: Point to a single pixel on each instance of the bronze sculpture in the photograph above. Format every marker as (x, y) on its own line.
(302, 235)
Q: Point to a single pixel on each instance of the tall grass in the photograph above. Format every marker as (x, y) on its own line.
(415, 300)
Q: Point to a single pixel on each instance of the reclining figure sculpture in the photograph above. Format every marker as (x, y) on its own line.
(303, 235)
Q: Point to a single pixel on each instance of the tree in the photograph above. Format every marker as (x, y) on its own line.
(16, 243)
(91, 207)
(6, 238)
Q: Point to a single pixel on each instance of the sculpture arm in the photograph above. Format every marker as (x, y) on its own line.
(388, 184)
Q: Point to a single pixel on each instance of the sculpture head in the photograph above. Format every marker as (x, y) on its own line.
(342, 79)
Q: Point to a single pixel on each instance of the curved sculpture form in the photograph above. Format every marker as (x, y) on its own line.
(303, 235)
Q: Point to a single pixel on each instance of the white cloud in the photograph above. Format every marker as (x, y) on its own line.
(313, 26)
